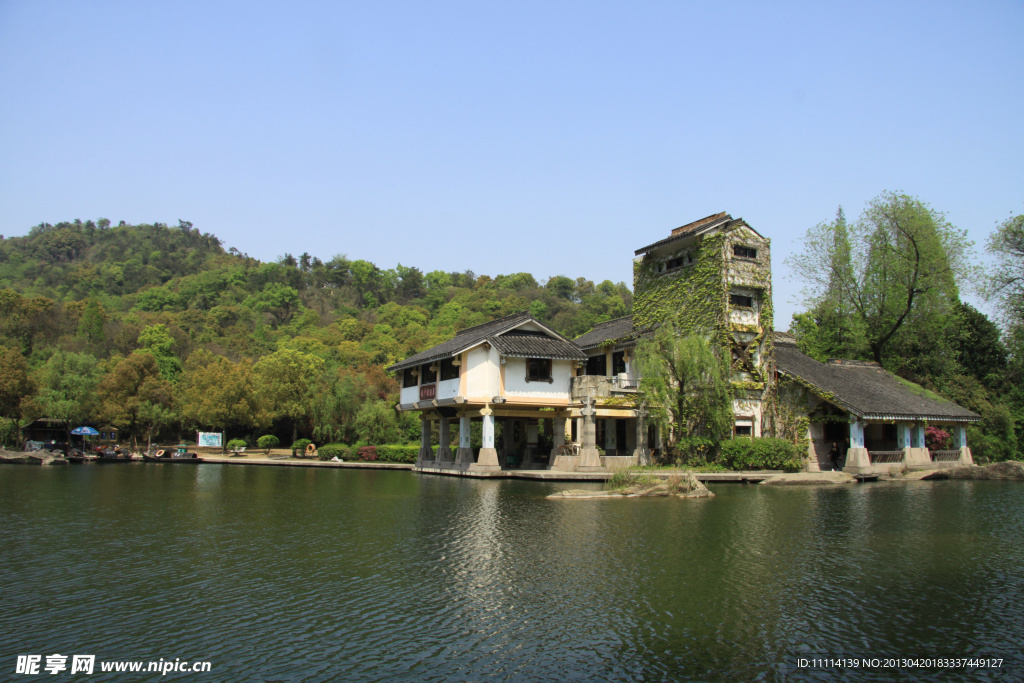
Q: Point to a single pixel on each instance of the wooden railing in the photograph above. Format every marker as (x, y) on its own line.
(428, 392)
(945, 456)
(885, 457)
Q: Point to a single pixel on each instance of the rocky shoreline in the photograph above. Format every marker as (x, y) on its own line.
(32, 458)
(685, 485)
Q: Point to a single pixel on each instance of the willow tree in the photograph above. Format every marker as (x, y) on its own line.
(895, 273)
(687, 388)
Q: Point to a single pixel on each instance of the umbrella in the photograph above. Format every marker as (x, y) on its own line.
(83, 432)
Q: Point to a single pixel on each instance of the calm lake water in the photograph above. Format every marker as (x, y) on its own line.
(296, 574)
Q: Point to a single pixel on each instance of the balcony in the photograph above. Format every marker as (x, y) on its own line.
(599, 386)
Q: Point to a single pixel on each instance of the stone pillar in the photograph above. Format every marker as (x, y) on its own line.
(857, 458)
(959, 437)
(487, 460)
(444, 451)
(464, 456)
(590, 457)
(642, 453)
(917, 456)
(426, 454)
(557, 436)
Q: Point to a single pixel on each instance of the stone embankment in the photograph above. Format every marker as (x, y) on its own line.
(31, 458)
(805, 478)
(1011, 469)
(685, 485)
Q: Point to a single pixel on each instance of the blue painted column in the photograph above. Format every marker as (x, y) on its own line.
(902, 435)
(959, 437)
(856, 434)
(488, 431)
(918, 436)
(464, 432)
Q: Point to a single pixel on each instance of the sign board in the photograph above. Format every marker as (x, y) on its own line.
(209, 439)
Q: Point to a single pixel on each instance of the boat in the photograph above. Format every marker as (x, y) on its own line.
(112, 455)
(181, 455)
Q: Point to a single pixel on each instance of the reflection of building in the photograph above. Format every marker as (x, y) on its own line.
(542, 400)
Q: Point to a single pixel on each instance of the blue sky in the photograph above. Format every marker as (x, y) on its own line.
(547, 137)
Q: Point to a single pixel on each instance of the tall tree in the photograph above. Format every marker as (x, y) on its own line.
(134, 396)
(1006, 281)
(286, 380)
(218, 394)
(687, 386)
(66, 388)
(14, 382)
(900, 269)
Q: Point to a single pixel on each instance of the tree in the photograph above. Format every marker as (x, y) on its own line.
(14, 381)
(134, 396)
(286, 380)
(686, 385)
(156, 341)
(66, 388)
(216, 393)
(1006, 281)
(897, 272)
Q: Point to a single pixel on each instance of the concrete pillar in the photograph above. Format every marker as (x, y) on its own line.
(464, 456)
(857, 458)
(532, 437)
(959, 437)
(487, 459)
(918, 437)
(590, 457)
(557, 435)
(426, 454)
(444, 451)
(902, 435)
(642, 452)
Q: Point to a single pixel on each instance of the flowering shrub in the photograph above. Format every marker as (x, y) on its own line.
(367, 453)
(937, 439)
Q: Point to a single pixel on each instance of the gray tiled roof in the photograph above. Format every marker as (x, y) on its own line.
(691, 229)
(866, 390)
(618, 331)
(489, 331)
(535, 346)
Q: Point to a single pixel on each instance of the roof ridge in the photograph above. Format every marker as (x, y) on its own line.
(506, 318)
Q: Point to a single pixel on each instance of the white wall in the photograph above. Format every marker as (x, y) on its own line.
(482, 372)
(449, 388)
(410, 395)
(517, 386)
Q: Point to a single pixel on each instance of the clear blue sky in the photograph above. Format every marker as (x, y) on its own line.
(547, 137)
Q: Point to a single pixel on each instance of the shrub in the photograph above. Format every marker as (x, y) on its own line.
(368, 453)
(761, 454)
(398, 453)
(334, 450)
(692, 451)
(268, 441)
(937, 439)
(236, 443)
(300, 446)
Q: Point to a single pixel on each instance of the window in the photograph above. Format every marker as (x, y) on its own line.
(597, 365)
(744, 430)
(741, 300)
(538, 370)
(618, 362)
(744, 252)
(677, 262)
(429, 376)
(449, 370)
(408, 378)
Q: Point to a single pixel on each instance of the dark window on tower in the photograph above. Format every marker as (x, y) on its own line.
(618, 362)
(429, 376)
(597, 365)
(538, 370)
(449, 370)
(744, 252)
(741, 300)
(408, 378)
(744, 430)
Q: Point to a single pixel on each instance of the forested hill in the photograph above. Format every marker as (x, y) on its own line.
(82, 300)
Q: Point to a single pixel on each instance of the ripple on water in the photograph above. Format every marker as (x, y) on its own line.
(304, 575)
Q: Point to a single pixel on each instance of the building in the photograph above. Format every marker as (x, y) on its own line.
(877, 419)
(542, 400)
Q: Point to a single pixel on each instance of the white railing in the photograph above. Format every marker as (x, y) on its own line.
(945, 456)
(885, 457)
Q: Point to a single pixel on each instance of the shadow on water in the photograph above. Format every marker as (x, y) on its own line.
(300, 574)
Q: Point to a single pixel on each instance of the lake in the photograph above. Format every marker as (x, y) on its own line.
(306, 574)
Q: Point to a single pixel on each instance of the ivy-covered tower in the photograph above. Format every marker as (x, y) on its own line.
(714, 275)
